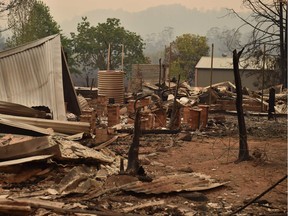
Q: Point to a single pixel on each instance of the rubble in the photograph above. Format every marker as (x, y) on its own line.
(174, 183)
(52, 166)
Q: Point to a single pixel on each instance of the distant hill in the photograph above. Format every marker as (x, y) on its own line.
(150, 23)
(155, 19)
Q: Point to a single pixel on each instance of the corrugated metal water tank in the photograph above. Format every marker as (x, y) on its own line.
(111, 85)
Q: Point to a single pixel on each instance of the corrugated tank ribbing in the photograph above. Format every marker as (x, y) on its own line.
(111, 85)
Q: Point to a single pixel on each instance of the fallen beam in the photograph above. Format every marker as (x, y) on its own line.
(25, 160)
(66, 127)
(15, 127)
(14, 209)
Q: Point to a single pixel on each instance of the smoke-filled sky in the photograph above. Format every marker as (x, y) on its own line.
(63, 10)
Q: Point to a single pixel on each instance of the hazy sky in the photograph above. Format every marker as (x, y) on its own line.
(62, 10)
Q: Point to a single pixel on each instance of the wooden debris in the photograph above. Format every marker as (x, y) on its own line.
(228, 85)
(25, 160)
(105, 144)
(21, 173)
(79, 180)
(29, 204)
(73, 151)
(21, 147)
(143, 205)
(75, 137)
(8, 207)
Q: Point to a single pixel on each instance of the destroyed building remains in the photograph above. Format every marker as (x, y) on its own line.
(165, 149)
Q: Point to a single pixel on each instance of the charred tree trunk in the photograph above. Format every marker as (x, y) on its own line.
(243, 146)
(133, 160)
(271, 110)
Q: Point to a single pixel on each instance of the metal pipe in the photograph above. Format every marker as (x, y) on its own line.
(160, 67)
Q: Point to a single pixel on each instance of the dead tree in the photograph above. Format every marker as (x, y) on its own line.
(243, 146)
(133, 160)
(268, 22)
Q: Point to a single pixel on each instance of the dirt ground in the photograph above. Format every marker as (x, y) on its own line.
(213, 152)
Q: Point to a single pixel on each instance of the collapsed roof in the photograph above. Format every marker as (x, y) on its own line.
(36, 74)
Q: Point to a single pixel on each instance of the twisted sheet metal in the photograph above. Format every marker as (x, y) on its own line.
(174, 183)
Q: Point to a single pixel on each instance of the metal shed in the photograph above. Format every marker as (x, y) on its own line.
(223, 71)
(37, 74)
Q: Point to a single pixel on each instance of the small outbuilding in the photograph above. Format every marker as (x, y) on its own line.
(223, 71)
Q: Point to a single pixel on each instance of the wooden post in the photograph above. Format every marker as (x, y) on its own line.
(170, 54)
(160, 66)
(243, 146)
(121, 171)
(211, 74)
(164, 74)
(139, 75)
(263, 72)
(271, 109)
(91, 87)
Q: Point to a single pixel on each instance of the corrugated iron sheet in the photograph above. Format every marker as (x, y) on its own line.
(31, 75)
(19, 110)
(174, 183)
(8, 126)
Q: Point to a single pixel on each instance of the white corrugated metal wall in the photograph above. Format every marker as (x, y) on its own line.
(31, 75)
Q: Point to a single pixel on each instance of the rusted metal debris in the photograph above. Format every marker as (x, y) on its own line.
(174, 183)
(83, 159)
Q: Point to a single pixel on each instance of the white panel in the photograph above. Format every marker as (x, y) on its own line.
(31, 75)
